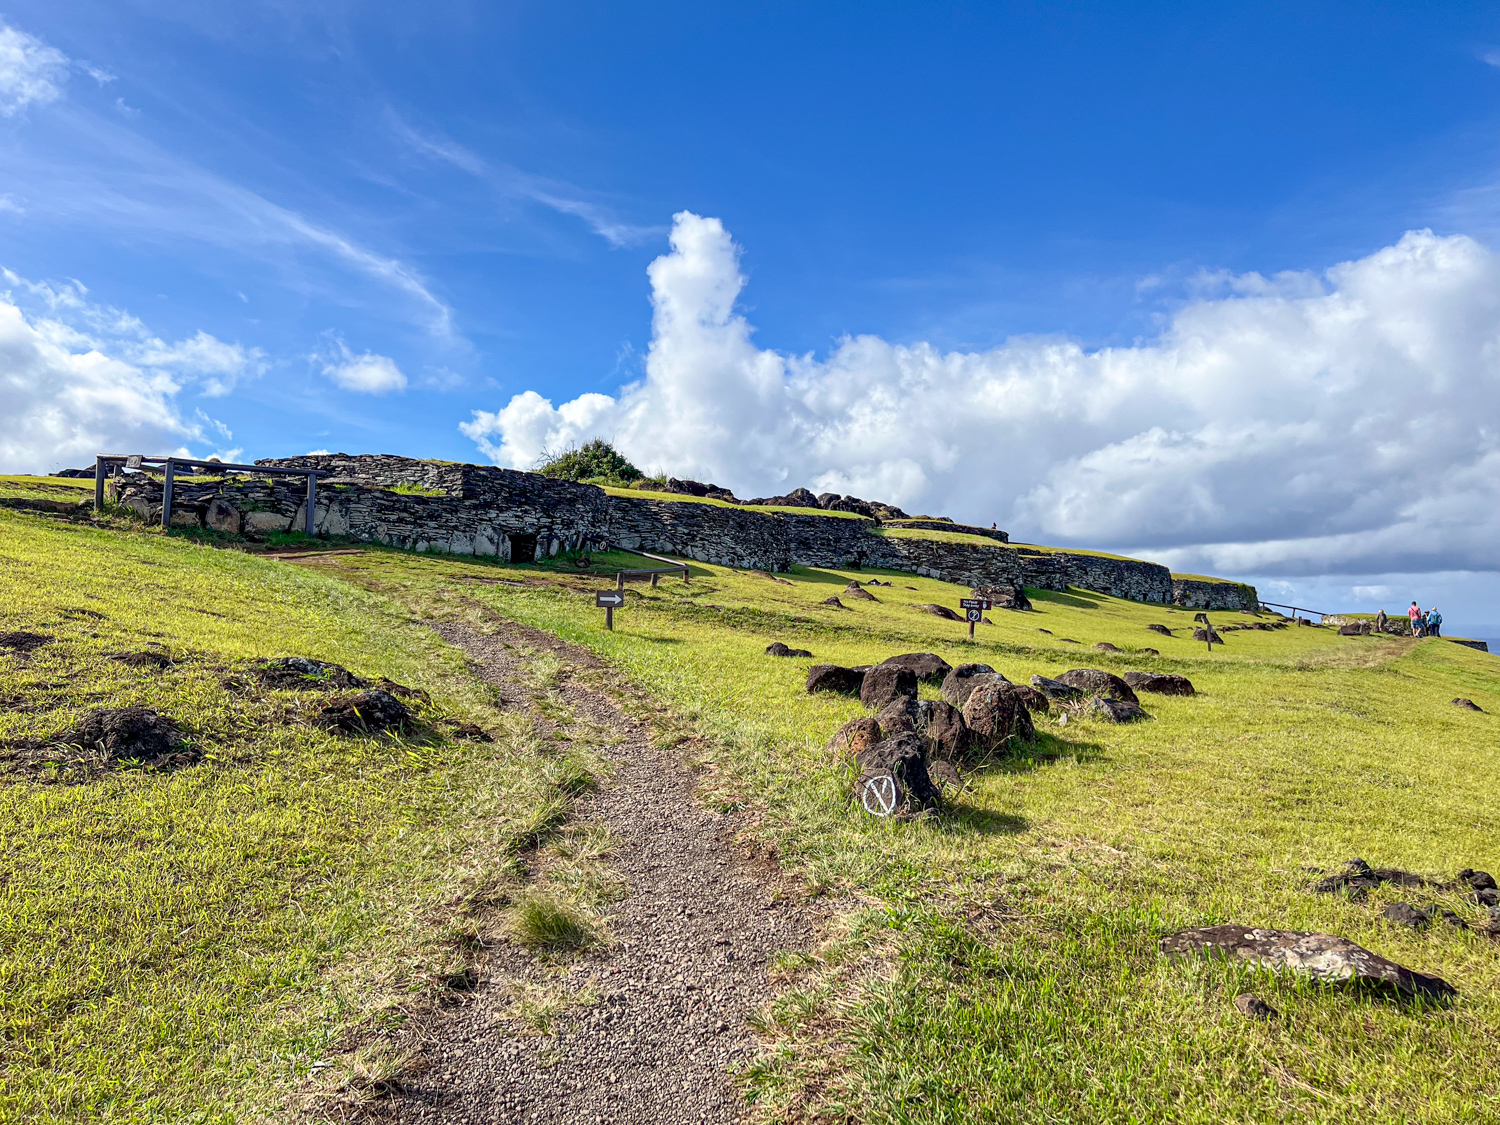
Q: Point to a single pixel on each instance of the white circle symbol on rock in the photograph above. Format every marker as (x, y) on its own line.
(879, 795)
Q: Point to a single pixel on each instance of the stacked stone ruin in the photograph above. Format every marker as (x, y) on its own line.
(516, 516)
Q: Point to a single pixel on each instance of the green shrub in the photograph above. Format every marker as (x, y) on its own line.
(595, 461)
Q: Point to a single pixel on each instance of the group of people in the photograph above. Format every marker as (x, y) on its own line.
(1428, 624)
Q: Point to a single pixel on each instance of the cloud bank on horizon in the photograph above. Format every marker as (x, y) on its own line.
(1300, 424)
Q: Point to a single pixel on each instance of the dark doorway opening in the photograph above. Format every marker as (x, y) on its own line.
(523, 548)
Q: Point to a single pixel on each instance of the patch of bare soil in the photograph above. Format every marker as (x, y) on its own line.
(689, 963)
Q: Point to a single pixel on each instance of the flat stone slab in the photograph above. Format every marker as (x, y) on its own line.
(1322, 957)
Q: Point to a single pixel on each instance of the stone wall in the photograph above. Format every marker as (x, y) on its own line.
(502, 513)
(1192, 593)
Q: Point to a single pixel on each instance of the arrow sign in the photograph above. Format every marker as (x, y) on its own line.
(609, 599)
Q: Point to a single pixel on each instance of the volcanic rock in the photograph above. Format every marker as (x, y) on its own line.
(1055, 689)
(1323, 957)
(1161, 683)
(886, 682)
(1253, 1007)
(943, 729)
(959, 682)
(776, 648)
(1118, 710)
(894, 780)
(929, 668)
(1162, 629)
(994, 713)
(365, 712)
(855, 737)
(832, 677)
(1097, 682)
(940, 611)
(300, 672)
(1467, 704)
(1004, 597)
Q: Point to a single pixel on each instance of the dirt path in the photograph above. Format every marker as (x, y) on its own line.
(693, 938)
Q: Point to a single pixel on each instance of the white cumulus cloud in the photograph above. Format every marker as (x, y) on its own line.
(1297, 424)
(78, 378)
(30, 71)
(366, 373)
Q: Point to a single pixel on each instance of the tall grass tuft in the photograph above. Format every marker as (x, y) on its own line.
(546, 923)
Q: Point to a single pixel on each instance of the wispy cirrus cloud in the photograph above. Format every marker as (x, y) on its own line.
(110, 174)
(511, 182)
(31, 72)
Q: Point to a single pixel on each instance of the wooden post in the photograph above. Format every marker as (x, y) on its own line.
(98, 484)
(312, 500)
(654, 579)
(166, 495)
(620, 581)
(971, 630)
(609, 618)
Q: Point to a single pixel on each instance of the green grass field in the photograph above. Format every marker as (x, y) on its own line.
(995, 963)
(206, 945)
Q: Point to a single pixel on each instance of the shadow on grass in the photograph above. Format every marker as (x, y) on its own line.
(959, 817)
(1079, 599)
(1046, 749)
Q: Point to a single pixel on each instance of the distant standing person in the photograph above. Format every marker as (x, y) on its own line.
(1415, 615)
(1380, 620)
(1434, 623)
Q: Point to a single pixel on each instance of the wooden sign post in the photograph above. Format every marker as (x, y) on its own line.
(973, 610)
(611, 600)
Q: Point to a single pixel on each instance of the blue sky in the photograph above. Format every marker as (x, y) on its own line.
(282, 227)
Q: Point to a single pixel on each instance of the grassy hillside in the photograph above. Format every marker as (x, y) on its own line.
(197, 945)
(996, 963)
(1000, 963)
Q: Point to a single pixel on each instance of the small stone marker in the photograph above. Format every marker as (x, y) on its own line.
(609, 600)
(974, 611)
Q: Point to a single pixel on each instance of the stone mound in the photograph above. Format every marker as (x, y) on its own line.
(833, 601)
(292, 673)
(833, 677)
(1322, 957)
(23, 642)
(776, 648)
(940, 611)
(1467, 704)
(886, 682)
(1105, 646)
(1161, 683)
(958, 683)
(928, 667)
(1148, 652)
(1162, 629)
(855, 590)
(365, 712)
(1204, 635)
(1094, 681)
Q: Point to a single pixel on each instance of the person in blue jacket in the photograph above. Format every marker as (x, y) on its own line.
(1434, 623)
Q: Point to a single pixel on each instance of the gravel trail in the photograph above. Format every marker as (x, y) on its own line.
(694, 936)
